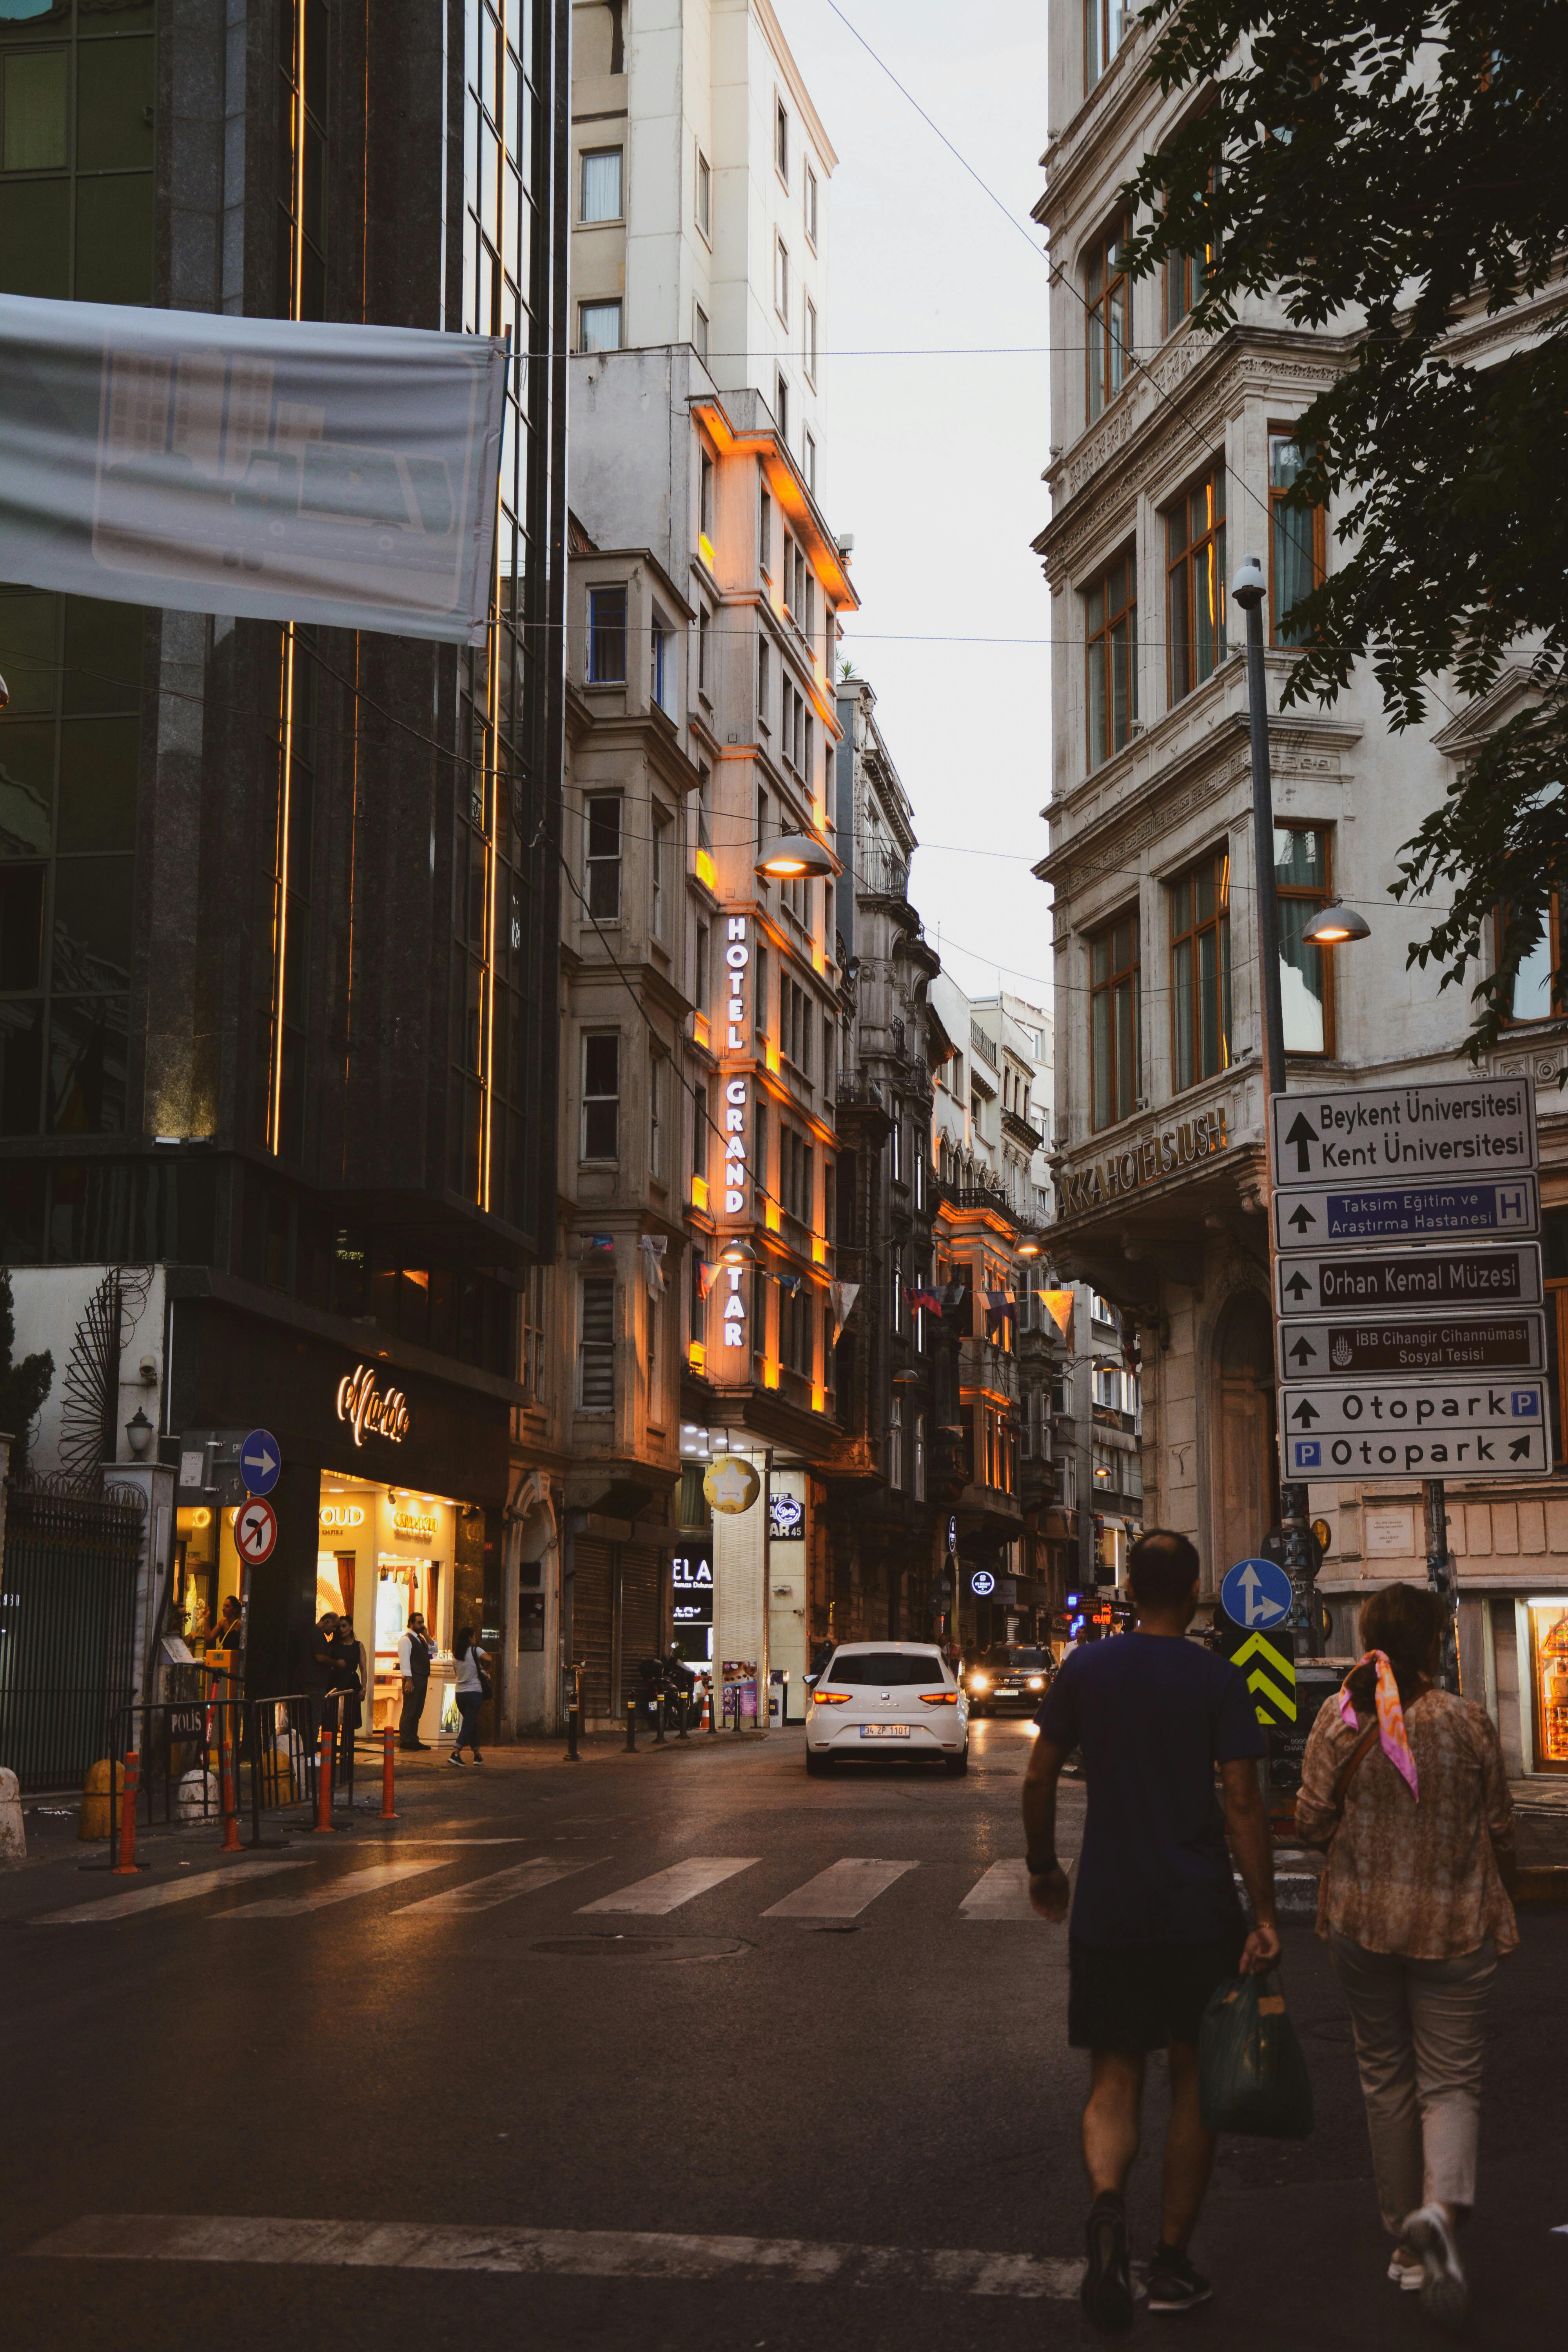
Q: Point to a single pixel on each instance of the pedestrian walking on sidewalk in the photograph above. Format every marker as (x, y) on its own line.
(414, 1655)
(1156, 1924)
(471, 1690)
(1405, 1784)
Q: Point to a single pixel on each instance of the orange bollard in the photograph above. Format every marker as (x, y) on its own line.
(225, 1781)
(324, 1781)
(388, 1812)
(126, 1865)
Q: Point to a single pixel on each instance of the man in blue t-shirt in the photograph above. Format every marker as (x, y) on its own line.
(1156, 1924)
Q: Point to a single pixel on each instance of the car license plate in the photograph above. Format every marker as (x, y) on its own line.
(884, 1731)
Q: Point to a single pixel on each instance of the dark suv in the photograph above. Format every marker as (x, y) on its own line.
(1008, 1679)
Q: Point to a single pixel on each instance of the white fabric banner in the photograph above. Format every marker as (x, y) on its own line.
(281, 469)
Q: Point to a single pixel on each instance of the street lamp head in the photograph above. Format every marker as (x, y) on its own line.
(1027, 1249)
(139, 1433)
(794, 857)
(1247, 588)
(1334, 925)
(738, 1252)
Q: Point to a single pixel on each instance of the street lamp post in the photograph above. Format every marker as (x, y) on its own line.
(1247, 590)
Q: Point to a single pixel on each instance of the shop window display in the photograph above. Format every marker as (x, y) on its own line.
(1549, 1659)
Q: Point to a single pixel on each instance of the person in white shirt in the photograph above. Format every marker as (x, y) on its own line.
(471, 1692)
(414, 1655)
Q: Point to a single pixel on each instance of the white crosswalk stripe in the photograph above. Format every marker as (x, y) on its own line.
(345, 1888)
(153, 1897)
(667, 1890)
(500, 1887)
(1002, 1893)
(840, 1892)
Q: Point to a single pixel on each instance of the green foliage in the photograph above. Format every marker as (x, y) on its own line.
(1397, 175)
(24, 1386)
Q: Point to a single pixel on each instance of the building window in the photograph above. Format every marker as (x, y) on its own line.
(764, 688)
(704, 625)
(781, 409)
(765, 533)
(607, 636)
(599, 326)
(1186, 275)
(69, 757)
(1200, 971)
(1303, 883)
(596, 1345)
(704, 197)
(661, 662)
(604, 857)
(809, 446)
(535, 1350)
(99, 215)
(602, 1094)
(703, 936)
(797, 1327)
(659, 848)
(1535, 994)
(700, 331)
(1106, 25)
(827, 1069)
(699, 1131)
(759, 1193)
(781, 140)
(656, 1069)
(920, 1460)
(797, 1174)
(601, 189)
(810, 340)
(895, 1445)
(1115, 1016)
(1296, 542)
(1109, 289)
(1196, 589)
(705, 494)
(781, 280)
(1110, 626)
(811, 207)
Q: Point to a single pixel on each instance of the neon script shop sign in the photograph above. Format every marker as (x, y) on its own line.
(737, 1108)
(383, 1411)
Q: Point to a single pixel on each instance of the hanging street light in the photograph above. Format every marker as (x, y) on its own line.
(1333, 925)
(794, 857)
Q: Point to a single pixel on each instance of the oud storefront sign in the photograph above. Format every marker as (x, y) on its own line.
(1164, 1152)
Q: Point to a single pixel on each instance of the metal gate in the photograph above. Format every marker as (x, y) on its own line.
(67, 1625)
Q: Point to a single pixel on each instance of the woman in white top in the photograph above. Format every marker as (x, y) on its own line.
(471, 1692)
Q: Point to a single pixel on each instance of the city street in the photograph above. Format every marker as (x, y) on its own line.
(681, 2050)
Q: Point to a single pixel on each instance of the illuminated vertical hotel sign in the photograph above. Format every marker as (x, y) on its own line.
(736, 1103)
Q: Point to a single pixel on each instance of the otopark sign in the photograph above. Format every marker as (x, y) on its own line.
(1425, 1359)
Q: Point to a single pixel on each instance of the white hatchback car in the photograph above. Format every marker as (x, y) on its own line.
(876, 1698)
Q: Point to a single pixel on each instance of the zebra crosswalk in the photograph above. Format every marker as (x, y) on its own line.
(845, 1889)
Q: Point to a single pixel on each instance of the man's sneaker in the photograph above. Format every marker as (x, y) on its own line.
(1107, 2281)
(1173, 2284)
(1444, 2292)
(1404, 2270)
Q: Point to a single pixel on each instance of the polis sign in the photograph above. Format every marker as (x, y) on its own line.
(1164, 1152)
(364, 1406)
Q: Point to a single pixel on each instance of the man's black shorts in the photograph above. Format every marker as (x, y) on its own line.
(1144, 1996)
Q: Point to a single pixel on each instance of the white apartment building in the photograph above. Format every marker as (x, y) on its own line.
(1163, 477)
(702, 1003)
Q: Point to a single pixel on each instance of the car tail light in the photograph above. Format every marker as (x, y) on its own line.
(939, 1699)
(832, 1698)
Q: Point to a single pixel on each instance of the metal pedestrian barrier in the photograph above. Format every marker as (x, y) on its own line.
(211, 1759)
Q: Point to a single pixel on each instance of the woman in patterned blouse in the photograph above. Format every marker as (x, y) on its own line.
(1404, 1785)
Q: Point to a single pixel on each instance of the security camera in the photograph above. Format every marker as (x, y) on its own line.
(147, 1371)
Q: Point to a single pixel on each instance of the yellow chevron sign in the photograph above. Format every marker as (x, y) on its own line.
(1271, 1679)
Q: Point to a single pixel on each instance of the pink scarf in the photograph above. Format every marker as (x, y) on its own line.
(1391, 1734)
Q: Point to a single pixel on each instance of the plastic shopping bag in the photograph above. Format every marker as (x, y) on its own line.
(1252, 2075)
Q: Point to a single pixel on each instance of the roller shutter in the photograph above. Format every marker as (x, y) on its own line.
(593, 1621)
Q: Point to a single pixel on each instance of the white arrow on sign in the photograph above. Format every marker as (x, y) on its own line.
(264, 1462)
(1251, 1587)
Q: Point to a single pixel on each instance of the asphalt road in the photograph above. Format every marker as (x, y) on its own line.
(477, 2112)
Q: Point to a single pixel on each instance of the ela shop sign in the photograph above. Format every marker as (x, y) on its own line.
(383, 1411)
(1161, 1153)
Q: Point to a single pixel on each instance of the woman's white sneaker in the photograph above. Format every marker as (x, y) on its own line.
(1444, 2292)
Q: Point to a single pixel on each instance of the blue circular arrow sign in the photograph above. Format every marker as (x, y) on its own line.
(260, 1461)
(1257, 1595)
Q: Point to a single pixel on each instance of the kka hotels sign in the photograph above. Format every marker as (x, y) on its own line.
(1161, 1153)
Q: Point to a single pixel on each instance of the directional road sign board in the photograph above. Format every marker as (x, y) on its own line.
(1256, 1594)
(261, 1460)
(1425, 1429)
(256, 1530)
(1308, 1218)
(1369, 1135)
(1485, 1340)
(1267, 1661)
(1426, 1281)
